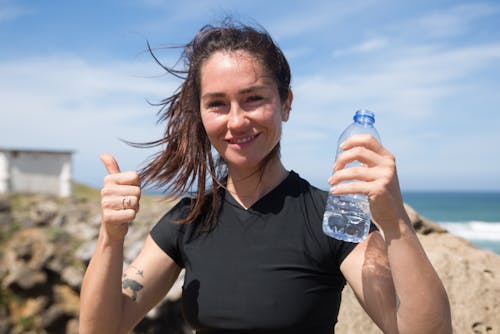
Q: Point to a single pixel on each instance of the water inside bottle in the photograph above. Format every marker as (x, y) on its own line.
(343, 218)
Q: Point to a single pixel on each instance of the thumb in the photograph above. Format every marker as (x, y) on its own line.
(109, 163)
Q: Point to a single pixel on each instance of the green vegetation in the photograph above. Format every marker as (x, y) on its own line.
(82, 191)
(27, 322)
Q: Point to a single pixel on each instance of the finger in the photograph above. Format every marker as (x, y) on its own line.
(358, 153)
(109, 163)
(111, 216)
(364, 140)
(123, 178)
(114, 189)
(353, 174)
(120, 203)
(360, 187)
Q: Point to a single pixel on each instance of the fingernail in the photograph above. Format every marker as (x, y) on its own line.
(343, 145)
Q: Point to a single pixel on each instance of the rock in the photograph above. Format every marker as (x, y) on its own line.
(59, 220)
(27, 253)
(23, 277)
(73, 276)
(44, 212)
(53, 317)
(72, 326)
(4, 325)
(83, 230)
(29, 308)
(421, 224)
(42, 269)
(470, 275)
(4, 203)
(64, 307)
(56, 264)
(86, 250)
(67, 299)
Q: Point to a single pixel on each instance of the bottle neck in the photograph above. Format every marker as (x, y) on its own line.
(364, 121)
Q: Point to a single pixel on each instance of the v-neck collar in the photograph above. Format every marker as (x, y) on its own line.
(268, 202)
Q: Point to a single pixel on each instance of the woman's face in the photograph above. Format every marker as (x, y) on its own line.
(240, 108)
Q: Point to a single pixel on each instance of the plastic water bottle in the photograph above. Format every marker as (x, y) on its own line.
(347, 217)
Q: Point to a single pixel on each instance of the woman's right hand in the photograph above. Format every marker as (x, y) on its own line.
(120, 197)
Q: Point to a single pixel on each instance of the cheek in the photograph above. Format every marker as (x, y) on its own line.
(273, 119)
(213, 125)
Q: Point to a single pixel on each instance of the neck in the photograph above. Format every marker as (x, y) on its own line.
(248, 187)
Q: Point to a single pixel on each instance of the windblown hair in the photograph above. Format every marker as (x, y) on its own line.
(186, 155)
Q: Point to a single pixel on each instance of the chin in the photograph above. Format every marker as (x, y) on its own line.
(243, 164)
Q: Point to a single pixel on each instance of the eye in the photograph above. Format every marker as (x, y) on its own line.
(216, 104)
(254, 98)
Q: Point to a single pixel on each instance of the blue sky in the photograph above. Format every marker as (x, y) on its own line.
(74, 75)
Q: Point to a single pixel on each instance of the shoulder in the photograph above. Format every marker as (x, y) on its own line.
(180, 210)
(311, 194)
(296, 179)
(169, 223)
(168, 232)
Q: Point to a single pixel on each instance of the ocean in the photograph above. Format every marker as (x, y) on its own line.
(474, 216)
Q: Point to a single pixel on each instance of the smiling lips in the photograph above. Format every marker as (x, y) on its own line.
(242, 140)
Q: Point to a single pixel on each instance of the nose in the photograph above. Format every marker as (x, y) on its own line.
(237, 118)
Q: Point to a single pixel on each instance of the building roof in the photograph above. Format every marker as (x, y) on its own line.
(32, 150)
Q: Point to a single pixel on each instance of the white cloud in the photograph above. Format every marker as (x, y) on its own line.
(409, 77)
(407, 91)
(70, 103)
(368, 46)
(451, 21)
(315, 19)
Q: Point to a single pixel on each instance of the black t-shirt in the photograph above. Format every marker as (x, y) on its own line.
(268, 269)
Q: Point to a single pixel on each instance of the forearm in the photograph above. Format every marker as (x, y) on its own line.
(424, 305)
(101, 299)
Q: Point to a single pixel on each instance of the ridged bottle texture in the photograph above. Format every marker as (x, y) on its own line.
(347, 217)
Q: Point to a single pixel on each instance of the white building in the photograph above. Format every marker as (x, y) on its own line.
(35, 171)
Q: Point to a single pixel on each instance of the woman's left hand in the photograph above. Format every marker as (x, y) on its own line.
(376, 177)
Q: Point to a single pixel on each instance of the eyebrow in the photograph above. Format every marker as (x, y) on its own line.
(252, 89)
(248, 90)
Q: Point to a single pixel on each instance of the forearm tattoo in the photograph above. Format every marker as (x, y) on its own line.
(131, 284)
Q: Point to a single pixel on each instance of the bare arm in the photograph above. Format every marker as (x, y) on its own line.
(145, 282)
(379, 269)
(112, 301)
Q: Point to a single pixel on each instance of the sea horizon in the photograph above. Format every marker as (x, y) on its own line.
(472, 215)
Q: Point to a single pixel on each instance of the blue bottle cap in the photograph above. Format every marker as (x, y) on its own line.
(364, 116)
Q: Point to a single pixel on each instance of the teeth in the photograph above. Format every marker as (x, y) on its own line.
(241, 140)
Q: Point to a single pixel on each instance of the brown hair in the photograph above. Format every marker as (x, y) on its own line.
(186, 156)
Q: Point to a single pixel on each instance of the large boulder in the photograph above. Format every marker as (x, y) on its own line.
(470, 275)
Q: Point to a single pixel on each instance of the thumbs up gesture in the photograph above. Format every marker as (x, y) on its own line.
(120, 197)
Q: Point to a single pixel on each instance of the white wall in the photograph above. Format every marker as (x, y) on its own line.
(4, 173)
(36, 172)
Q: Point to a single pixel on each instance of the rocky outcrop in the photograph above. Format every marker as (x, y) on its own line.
(472, 280)
(46, 243)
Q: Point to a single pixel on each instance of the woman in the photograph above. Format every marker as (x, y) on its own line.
(251, 242)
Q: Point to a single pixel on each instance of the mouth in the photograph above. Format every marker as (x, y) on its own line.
(242, 140)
